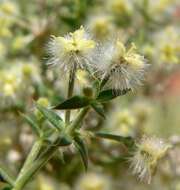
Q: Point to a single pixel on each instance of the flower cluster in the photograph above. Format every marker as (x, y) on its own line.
(75, 50)
(168, 48)
(122, 121)
(125, 69)
(101, 26)
(18, 80)
(145, 160)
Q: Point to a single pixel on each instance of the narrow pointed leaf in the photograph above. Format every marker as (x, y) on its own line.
(32, 123)
(49, 132)
(75, 102)
(51, 116)
(81, 147)
(98, 108)
(110, 94)
(128, 141)
(47, 142)
(5, 175)
(65, 140)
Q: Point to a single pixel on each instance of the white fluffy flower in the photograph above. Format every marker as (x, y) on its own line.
(145, 159)
(74, 50)
(125, 69)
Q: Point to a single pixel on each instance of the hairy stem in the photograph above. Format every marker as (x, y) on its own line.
(23, 179)
(78, 120)
(47, 155)
(31, 157)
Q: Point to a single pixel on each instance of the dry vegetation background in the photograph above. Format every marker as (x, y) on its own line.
(152, 109)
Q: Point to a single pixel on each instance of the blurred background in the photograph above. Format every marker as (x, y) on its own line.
(25, 29)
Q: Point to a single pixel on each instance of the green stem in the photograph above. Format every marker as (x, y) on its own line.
(6, 175)
(70, 92)
(31, 157)
(78, 120)
(47, 155)
(128, 141)
(23, 179)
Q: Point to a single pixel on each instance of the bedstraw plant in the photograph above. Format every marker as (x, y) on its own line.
(115, 70)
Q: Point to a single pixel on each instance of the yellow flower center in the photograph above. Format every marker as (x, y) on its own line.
(76, 42)
(169, 53)
(129, 56)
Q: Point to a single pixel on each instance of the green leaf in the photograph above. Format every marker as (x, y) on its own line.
(32, 123)
(51, 116)
(75, 102)
(128, 141)
(110, 94)
(98, 108)
(47, 142)
(7, 188)
(81, 147)
(65, 140)
(5, 175)
(49, 132)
